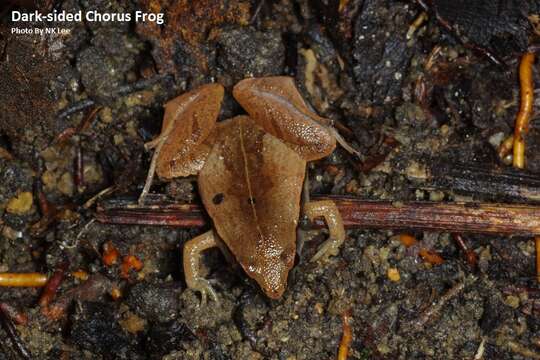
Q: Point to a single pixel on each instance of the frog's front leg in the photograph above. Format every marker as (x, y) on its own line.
(192, 254)
(329, 211)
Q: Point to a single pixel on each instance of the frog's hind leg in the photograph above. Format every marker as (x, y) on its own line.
(328, 210)
(188, 121)
(192, 254)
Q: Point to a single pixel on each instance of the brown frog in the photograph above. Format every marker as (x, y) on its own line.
(250, 175)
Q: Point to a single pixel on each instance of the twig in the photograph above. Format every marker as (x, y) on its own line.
(522, 350)
(497, 184)
(427, 6)
(257, 11)
(22, 279)
(9, 328)
(470, 255)
(481, 349)
(346, 339)
(434, 311)
(78, 168)
(123, 90)
(75, 107)
(89, 203)
(14, 314)
(83, 125)
(141, 84)
(537, 246)
(420, 19)
(525, 109)
(506, 147)
(462, 217)
(52, 286)
(92, 289)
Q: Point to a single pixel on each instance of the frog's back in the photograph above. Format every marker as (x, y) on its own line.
(251, 185)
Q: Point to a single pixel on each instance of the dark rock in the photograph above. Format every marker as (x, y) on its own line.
(14, 177)
(495, 313)
(166, 337)
(101, 74)
(96, 329)
(154, 302)
(380, 52)
(27, 102)
(499, 26)
(244, 52)
(533, 151)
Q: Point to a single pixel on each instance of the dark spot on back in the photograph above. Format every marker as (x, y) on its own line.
(217, 199)
(251, 200)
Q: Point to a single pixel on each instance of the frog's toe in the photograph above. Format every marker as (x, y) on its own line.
(329, 248)
(205, 289)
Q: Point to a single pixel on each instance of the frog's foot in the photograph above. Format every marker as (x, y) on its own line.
(154, 143)
(344, 144)
(203, 286)
(328, 210)
(192, 254)
(329, 248)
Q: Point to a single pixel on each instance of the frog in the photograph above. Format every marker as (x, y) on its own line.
(250, 172)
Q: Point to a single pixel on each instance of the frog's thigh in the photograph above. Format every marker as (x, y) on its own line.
(328, 210)
(192, 254)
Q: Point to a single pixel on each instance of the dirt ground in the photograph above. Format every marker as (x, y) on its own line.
(77, 108)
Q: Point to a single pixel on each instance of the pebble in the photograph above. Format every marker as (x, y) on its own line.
(20, 204)
(512, 301)
(65, 184)
(393, 274)
(133, 323)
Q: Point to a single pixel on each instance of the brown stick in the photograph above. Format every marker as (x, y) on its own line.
(346, 338)
(9, 328)
(13, 314)
(487, 218)
(49, 292)
(434, 310)
(492, 184)
(90, 290)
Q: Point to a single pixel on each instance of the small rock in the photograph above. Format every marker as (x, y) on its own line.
(20, 204)
(49, 180)
(133, 324)
(246, 52)
(393, 274)
(65, 184)
(92, 174)
(10, 233)
(106, 115)
(94, 328)
(512, 301)
(166, 337)
(154, 302)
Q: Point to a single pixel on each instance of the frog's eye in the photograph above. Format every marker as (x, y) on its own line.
(218, 199)
(287, 256)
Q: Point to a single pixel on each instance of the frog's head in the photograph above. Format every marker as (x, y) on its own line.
(271, 271)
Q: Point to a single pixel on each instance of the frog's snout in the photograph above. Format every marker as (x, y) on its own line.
(274, 276)
(274, 289)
